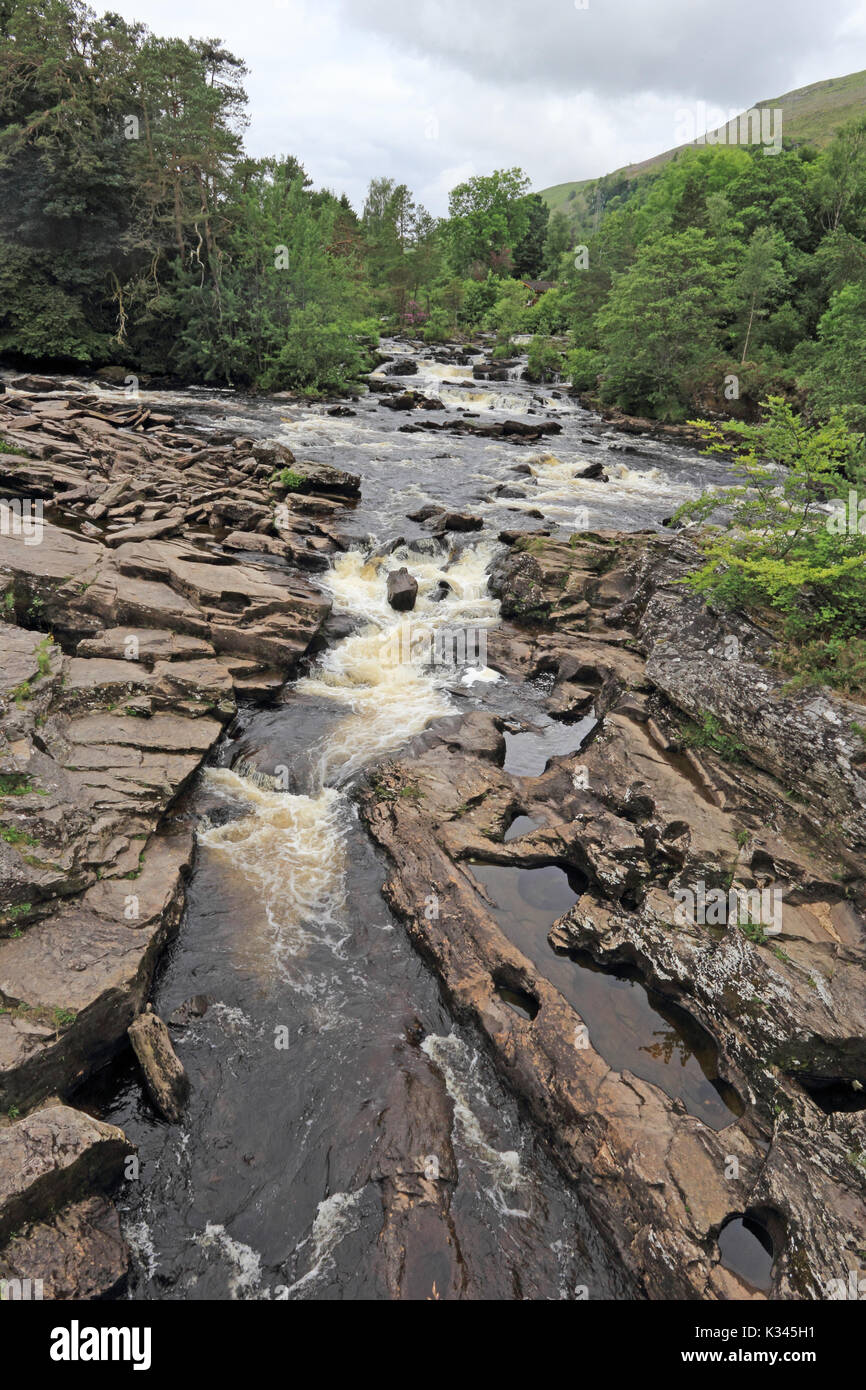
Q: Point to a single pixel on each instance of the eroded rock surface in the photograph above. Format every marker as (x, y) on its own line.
(128, 633)
(644, 823)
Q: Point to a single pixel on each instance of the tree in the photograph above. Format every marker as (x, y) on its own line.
(839, 177)
(489, 215)
(659, 327)
(761, 275)
(560, 238)
(836, 379)
(529, 253)
(779, 554)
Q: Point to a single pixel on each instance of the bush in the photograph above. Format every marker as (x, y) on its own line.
(439, 327)
(584, 367)
(545, 360)
(784, 554)
(549, 315)
(478, 299)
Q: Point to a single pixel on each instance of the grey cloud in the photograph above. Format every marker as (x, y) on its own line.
(730, 51)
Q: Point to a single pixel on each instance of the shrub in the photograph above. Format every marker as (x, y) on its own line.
(545, 360)
(784, 555)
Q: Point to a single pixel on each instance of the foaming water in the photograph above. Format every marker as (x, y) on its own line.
(314, 996)
(384, 673)
(336, 1217)
(458, 1066)
(291, 850)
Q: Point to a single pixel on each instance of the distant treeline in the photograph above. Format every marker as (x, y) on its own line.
(134, 230)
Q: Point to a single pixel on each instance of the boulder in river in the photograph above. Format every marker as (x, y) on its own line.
(592, 470)
(404, 366)
(458, 521)
(166, 1079)
(402, 590)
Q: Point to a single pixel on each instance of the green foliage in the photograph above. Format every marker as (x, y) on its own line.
(43, 656)
(289, 479)
(173, 252)
(530, 253)
(13, 836)
(15, 784)
(783, 555)
(708, 733)
(772, 295)
(510, 313)
(490, 215)
(544, 360)
(583, 366)
(659, 324)
(19, 910)
(836, 376)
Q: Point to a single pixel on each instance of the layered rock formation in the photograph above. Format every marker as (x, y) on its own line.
(645, 825)
(135, 612)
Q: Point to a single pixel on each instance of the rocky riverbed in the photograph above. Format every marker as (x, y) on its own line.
(615, 1093)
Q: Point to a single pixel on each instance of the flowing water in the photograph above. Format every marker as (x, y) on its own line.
(311, 1000)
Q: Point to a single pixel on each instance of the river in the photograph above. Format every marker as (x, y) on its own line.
(314, 997)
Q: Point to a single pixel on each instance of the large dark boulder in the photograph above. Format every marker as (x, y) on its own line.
(404, 366)
(402, 590)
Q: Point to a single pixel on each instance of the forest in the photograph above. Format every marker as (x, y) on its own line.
(137, 232)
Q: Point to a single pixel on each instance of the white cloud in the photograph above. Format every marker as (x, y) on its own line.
(431, 91)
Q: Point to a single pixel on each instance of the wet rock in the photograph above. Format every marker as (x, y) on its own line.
(402, 590)
(414, 1166)
(594, 471)
(53, 1157)
(378, 386)
(404, 366)
(35, 384)
(387, 548)
(411, 400)
(78, 1253)
(166, 1079)
(491, 371)
(73, 982)
(458, 521)
(514, 431)
(426, 513)
(190, 1010)
(513, 537)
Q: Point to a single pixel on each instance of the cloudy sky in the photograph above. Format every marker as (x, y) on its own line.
(432, 91)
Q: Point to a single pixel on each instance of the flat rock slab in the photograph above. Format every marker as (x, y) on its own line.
(71, 985)
(53, 1157)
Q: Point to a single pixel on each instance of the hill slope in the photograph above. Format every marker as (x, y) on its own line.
(811, 116)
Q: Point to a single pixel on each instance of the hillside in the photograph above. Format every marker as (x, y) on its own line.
(812, 115)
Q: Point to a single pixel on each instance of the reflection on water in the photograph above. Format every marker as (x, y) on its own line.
(746, 1248)
(527, 754)
(629, 1027)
